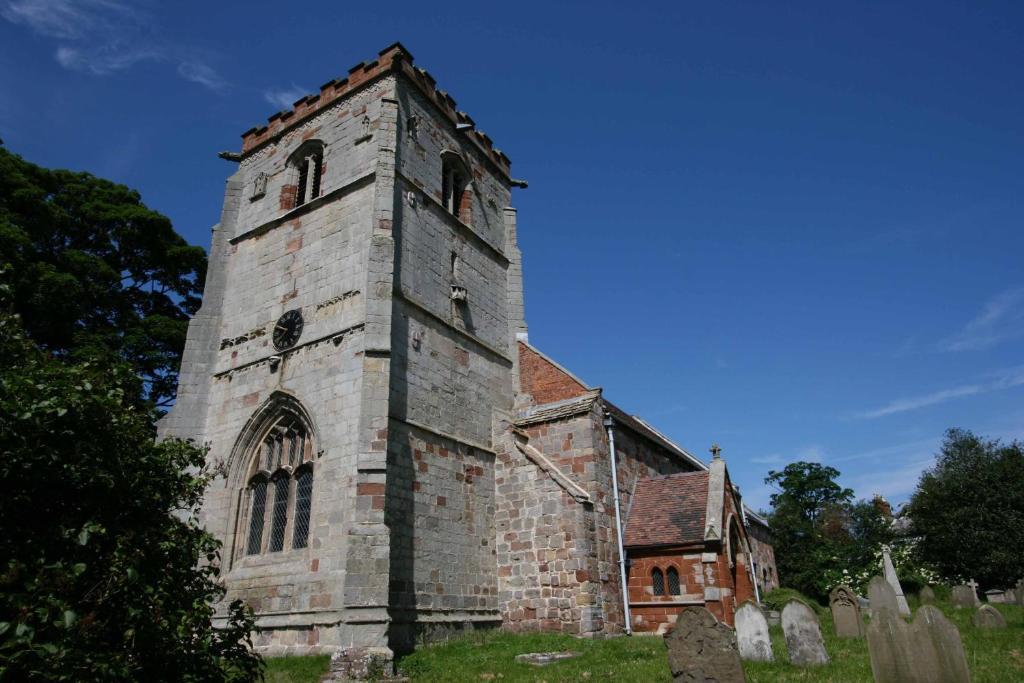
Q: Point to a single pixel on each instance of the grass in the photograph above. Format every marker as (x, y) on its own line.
(994, 656)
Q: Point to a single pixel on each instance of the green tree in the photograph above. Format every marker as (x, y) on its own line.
(808, 524)
(104, 574)
(96, 272)
(968, 510)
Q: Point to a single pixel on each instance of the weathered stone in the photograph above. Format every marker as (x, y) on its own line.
(893, 580)
(964, 596)
(701, 649)
(803, 635)
(995, 595)
(1018, 592)
(881, 595)
(988, 616)
(774, 617)
(927, 651)
(545, 658)
(926, 596)
(752, 633)
(845, 612)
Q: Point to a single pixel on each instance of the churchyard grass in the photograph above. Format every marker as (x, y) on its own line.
(994, 656)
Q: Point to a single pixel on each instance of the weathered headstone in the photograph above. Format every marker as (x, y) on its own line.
(995, 595)
(1018, 592)
(926, 596)
(1011, 597)
(752, 633)
(702, 649)
(774, 617)
(964, 596)
(988, 616)
(927, 651)
(890, 576)
(845, 612)
(881, 595)
(803, 635)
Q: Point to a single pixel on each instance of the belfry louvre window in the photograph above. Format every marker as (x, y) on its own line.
(280, 491)
(455, 193)
(658, 582)
(672, 574)
(309, 178)
(305, 170)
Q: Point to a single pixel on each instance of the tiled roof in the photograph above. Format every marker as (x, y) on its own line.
(668, 510)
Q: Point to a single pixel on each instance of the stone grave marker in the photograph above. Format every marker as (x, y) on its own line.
(995, 595)
(964, 596)
(927, 651)
(988, 616)
(803, 635)
(752, 633)
(926, 596)
(881, 595)
(700, 648)
(1018, 592)
(890, 576)
(845, 612)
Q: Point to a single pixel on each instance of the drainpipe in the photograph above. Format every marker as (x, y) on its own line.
(750, 553)
(609, 424)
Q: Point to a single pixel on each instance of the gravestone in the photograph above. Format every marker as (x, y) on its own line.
(926, 596)
(1018, 592)
(774, 617)
(803, 635)
(890, 576)
(881, 595)
(927, 651)
(702, 649)
(964, 596)
(752, 633)
(845, 612)
(988, 616)
(995, 595)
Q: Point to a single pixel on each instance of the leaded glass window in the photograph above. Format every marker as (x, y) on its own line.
(658, 580)
(673, 580)
(280, 520)
(258, 493)
(303, 503)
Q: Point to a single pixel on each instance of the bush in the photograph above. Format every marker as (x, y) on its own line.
(104, 573)
(777, 599)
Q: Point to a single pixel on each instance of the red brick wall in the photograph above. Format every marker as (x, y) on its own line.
(543, 380)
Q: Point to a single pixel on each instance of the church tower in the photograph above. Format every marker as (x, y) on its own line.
(355, 349)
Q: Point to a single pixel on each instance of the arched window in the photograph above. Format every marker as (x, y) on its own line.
(658, 581)
(304, 174)
(456, 195)
(673, 580)
(280, 491)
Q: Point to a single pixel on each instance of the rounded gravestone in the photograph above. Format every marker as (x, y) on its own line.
(964, 596)
(845, 612)
(752, 633)
(881, 595)
(926, 596)
(803, 635)
(988, 616)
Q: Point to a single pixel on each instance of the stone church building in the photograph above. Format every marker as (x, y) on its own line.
(395, 458)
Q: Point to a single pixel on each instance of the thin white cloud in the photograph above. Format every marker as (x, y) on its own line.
(1003, 380)
(1000, 319)
(203, 74)
(102, 37)
(284, 98)
(894, 484)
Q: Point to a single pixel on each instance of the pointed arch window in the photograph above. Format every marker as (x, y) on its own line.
(672, 576)
(304, 175)
(456, 195)
(280, 489)
(658, 582)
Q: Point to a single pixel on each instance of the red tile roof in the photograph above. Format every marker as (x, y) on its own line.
(668, 510)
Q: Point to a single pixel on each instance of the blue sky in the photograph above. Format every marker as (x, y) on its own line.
(793, 228)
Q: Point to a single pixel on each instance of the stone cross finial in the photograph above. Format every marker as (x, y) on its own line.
(974, 585)
(715, 451)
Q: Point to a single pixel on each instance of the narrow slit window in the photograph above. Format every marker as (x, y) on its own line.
(303, 503)
(259, 503)
(673, 581)
(658, 581)
(280, 519)
(300, 195)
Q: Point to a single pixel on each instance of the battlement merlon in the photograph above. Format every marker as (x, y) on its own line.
(393, 59)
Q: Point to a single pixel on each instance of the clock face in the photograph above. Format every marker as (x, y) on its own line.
(288, 329)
